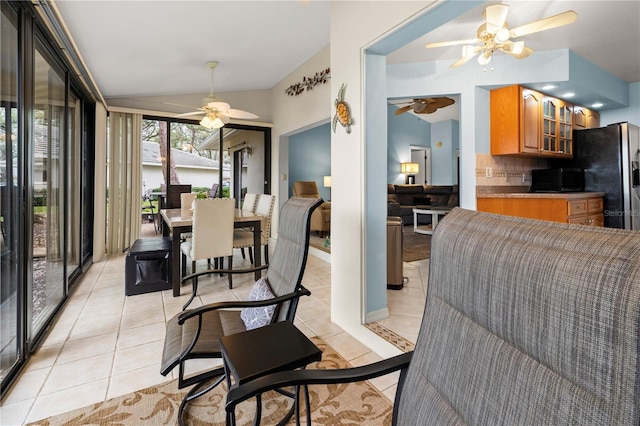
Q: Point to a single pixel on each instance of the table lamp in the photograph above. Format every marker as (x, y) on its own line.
(410, 170)
(327, 184)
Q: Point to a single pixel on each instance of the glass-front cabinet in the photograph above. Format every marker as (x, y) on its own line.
(557, 117)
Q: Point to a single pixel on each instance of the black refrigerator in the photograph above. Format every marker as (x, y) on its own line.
(610, 156)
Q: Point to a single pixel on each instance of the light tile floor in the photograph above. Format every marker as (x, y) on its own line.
(105, 344)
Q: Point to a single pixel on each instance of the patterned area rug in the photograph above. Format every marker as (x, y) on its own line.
(354, 403)
(415, 246)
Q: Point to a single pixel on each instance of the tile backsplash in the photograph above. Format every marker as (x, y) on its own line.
(505, 171)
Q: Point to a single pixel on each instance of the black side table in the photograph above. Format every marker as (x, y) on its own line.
(275, 347)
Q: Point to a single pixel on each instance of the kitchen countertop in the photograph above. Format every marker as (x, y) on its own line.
(562, 195)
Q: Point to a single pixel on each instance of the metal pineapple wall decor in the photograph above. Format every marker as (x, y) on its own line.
(342, 112)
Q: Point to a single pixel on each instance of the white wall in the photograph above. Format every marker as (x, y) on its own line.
(354, 26)
(294, 114)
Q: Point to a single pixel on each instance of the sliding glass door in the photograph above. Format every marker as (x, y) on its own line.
(10, 182)
(46, 184)
(74, 185)
(47, 187)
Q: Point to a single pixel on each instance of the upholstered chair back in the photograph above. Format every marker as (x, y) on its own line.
(249, 202)
(186, 202)
(527, 322)
(264, 208)
(290, 254)
(212, 232)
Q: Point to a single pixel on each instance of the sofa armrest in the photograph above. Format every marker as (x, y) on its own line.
(393, 209)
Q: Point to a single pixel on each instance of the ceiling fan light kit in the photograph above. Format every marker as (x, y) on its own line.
(494, 35)
(217, 113)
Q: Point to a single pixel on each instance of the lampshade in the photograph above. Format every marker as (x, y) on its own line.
(485, 58)
(211, 123)
(410, 168)
(502, 35)
(327, 181)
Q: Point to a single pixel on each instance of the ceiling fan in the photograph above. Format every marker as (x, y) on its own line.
(494, 34)
(217, 113)
(425, 105)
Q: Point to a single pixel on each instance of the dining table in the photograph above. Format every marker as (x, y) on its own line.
(179, 221)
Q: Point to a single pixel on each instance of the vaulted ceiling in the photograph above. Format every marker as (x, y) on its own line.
(141, 48)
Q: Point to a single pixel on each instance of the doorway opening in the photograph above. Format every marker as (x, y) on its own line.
(422, 156)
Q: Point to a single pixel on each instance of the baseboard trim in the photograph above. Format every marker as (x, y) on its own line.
(377, 315)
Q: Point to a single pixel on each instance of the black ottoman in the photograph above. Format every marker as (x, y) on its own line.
(148, 266)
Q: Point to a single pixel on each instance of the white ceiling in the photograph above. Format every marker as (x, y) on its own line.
(606, 33)
(150, 48)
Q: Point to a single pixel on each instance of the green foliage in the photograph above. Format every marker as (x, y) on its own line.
(40, 198)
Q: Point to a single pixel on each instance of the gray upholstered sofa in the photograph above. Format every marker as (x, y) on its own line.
(526, 323)
(402, 199)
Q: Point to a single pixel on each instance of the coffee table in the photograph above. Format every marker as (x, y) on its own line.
(435, 212)
(276, 347)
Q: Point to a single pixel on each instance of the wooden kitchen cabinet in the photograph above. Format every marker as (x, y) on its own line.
(516, 117)
(557, 119)
(585, 208)
(587, 211)
(527, 123)
(584, 118)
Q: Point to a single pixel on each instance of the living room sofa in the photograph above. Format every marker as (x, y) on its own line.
(402, 199)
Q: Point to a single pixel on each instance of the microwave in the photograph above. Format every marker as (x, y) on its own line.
(557, 180)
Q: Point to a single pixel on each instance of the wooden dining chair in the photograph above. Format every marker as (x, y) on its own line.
(211, 236)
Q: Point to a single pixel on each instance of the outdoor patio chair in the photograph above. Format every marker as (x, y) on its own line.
(526, 322)
(149, 210)
(195, 333)
(213, 192)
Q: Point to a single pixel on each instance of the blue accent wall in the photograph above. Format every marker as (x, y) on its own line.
(403, 131)
(310, 157)
(630, 114)
(443, 157)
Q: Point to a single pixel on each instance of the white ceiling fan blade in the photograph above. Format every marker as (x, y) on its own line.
(451, 43)
(461, 61)
(554, 21)
(496, 16)
(526, 51)
(220, 106)
(238, 113)
(223, 117)
(187, 114)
